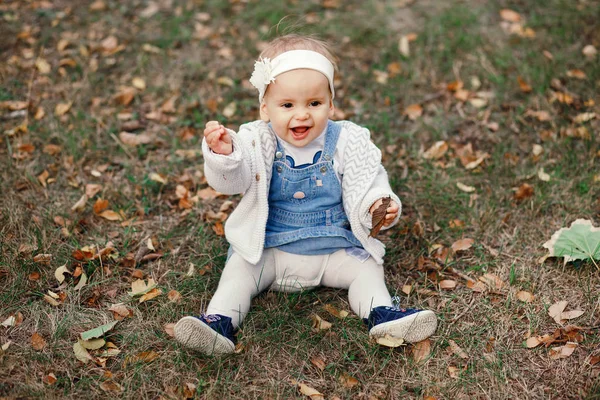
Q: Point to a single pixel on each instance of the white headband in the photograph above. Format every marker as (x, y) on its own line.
(265, 69)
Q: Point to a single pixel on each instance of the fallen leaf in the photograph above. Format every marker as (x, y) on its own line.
(308, 391)
(37, 342)
(556, 312)
(111, 386)
(170, 329)
(465, 188)
(157, 178)
(120, 311)
(525, 297)
(524, 86)
(510, 15)
(110, 215)
(92, 344)
(135, 139)
(34, 276)
(421, 350)
(576, 73)
(97, 332)
(49, 379)
(390, 341)
(319, 324)
(174, 296)
(580, 241)
(457, 350)
(80, 205)
(43, 259)
(413, 111)
(589, 51)
(562, 351)
(454, 372)
(447, 284)
(62, 108)
(584, 117)
(100, 205)
(150, 295)
(492, 281)
(347, 380)
(145, 357)
(524, 191)
(436, 151)
(462, 245)
(81, 353)
(140, 287)
(318, 362)
(543, 175)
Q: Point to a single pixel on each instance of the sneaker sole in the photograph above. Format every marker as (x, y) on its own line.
(195, 334)
(413, 328)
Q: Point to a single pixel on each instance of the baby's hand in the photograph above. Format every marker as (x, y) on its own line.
(391, 211)
(217, 138)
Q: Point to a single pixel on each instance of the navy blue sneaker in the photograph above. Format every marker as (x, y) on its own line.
(209, 334)
(403, 323)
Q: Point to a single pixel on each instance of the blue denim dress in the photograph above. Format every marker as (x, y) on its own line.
(306, 214)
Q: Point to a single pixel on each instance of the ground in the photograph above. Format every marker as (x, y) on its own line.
(487, 114)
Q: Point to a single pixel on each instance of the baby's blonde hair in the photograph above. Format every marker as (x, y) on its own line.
(298, 42)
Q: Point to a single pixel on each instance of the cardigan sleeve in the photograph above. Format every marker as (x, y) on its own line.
(379, 189)
(228, 174)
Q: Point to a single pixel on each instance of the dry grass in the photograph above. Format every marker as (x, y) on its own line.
(190, 52)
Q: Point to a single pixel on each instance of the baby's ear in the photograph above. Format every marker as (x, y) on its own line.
(264, 114)
(331, 108)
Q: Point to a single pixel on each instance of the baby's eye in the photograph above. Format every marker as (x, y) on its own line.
(315, 103)
(286, 105)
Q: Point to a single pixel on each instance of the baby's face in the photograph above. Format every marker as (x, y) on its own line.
(298, 104)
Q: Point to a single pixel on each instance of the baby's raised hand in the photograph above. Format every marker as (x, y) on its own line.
(217, 138)
(391, 211)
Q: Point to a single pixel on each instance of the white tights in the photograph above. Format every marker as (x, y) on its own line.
(241, 281)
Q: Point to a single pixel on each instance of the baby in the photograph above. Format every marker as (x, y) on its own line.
(310, 187)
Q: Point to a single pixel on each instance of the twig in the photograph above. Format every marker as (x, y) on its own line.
(452, 270)
(122, 146)
(462, 314)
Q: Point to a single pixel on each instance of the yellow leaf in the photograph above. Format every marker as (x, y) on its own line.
(157, 178)
(62, 108)
(92, 344)
(150, 295)
(390, 341)
(81, 353)
(138, 83)
(43, 66)
(465, 188)
(139, 287)
(174, 296)
(319, 324)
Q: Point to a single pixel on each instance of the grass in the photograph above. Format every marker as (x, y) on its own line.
(458, 41)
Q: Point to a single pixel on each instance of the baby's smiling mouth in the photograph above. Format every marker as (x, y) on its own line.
(300, 129)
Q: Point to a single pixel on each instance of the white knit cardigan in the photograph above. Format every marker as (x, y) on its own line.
(248, 170)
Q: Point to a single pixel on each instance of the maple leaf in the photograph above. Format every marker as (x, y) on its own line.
(581, 241)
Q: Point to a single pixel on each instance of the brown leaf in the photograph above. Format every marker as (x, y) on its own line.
(37, 341)
(436, 151)
(319, 324)
(524, 86)
(170, 329)
(111, 386)
(457, 350)
(562, 351)
(510, 15)
(151, 294)
(100, 205)
(378, 216)
(447, 284)
(413, 111)
(421, 350)
(524, 191)
(318, 362)
(174, 296)
(524, 296)
(462, 244)
(49, 379)
(43, 259)
(62, 108)
(348, 381)
(34, 276)
(110, 215)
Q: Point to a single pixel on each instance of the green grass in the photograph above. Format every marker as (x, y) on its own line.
(457, 41)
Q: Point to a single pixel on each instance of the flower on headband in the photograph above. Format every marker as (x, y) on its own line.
(261, 77)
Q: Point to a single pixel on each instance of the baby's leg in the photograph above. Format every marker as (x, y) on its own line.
(239, 283)
(364, 280)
